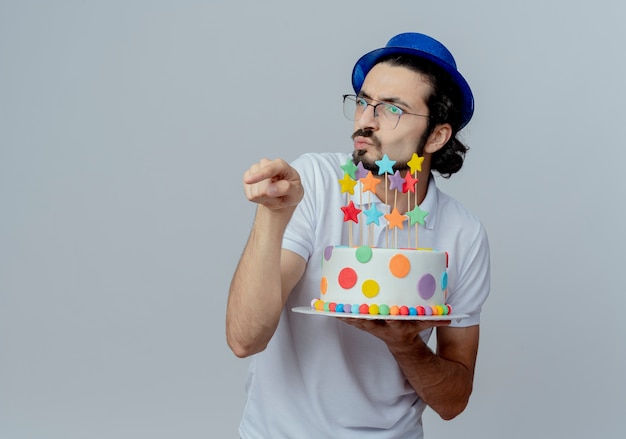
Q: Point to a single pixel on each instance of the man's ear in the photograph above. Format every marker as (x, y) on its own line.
(438, 138)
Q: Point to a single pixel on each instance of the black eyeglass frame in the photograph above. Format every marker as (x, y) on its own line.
(355, 98)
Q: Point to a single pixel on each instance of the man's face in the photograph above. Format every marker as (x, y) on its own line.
(407, 90)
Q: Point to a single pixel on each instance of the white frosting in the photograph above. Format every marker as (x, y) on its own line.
(423, 285)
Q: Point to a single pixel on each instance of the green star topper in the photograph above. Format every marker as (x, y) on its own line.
(417, 215)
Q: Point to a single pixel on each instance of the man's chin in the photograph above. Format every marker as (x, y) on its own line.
(367, 162)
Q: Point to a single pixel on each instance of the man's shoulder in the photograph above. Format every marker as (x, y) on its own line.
(454, 212)
(320, 168)
(325, 159)
(448, 202)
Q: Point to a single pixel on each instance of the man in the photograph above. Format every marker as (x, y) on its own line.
(323, 377)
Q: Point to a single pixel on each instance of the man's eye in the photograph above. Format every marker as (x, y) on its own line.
(392, 109)
(361, 102)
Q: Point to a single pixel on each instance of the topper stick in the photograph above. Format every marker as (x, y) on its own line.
(350, 233)
(349, 224)
(395, 230)
(386, 225)
(370, 235)
(361, 232)
(361, 223)
(416, 224)
(408, 225)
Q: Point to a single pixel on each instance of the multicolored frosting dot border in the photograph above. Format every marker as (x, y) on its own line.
(381, 310)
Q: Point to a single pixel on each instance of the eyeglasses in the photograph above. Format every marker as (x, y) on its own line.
(386, 114)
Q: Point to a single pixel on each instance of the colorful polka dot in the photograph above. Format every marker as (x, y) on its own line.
(383, 310)
(399, 265)
(370, 288)
(363, 254)
(426, 286)
(373, 309)
(324, 285)
(444, 280)
(347, 278)
(328, 252)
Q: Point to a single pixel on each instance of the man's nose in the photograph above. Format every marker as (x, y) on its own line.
(368, 119)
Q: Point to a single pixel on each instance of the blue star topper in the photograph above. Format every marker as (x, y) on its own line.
(372, 214)
(385, 166)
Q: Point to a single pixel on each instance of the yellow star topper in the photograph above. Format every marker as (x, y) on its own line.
(347, 184)
(415, 163)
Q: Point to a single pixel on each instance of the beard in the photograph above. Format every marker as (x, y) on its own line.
(370, 164)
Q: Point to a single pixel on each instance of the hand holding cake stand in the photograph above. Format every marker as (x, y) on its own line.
(441, 318)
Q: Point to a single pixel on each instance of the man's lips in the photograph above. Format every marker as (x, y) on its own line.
(362, 143)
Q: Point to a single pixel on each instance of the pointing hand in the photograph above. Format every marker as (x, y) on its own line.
(273, 184)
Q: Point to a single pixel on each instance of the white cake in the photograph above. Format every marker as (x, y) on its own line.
(383, 281)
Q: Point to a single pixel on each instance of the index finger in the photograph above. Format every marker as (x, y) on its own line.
(266, 169)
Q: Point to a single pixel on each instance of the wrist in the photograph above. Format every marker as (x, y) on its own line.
(272, 222)
(273, 216)
(416, 348)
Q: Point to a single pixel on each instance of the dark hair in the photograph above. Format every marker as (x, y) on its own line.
(444, 106)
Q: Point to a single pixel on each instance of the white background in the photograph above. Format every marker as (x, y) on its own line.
(125, 127)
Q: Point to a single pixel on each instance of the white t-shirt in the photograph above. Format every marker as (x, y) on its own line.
(321, 378)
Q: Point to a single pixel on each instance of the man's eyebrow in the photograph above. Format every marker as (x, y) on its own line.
(389, 100)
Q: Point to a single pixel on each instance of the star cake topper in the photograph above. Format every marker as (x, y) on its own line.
(395, 219)
(417, 215)
(351, 212)
(370, 182)
(347, 184)
(350, 168)
(415, 163)
(372, 214)
(385, 165)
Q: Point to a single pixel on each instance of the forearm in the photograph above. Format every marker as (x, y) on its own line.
(444, 385)
(256, 296)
